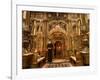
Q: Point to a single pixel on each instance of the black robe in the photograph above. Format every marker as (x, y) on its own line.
(50, 52)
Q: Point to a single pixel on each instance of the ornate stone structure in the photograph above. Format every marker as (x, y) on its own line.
(64, 29)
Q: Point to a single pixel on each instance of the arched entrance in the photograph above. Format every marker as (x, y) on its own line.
(58, 37)
(58, 49)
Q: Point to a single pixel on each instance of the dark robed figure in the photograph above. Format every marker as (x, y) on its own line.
(50, 51)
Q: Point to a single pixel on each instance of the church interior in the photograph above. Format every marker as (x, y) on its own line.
(55, 39)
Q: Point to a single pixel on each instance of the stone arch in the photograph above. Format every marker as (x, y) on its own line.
(56, 22)
(57, 29)
(58, 34)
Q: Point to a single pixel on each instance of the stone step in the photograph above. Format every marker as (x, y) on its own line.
(55, 65)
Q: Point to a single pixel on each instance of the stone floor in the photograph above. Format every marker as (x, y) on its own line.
(58, 63)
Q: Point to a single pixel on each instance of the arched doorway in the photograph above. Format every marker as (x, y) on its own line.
(58, 37)
(58, 49)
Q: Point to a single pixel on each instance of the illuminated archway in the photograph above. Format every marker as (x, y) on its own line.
(58, 37)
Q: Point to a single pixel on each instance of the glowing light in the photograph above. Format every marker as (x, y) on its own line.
(57, 26)
(35, 50)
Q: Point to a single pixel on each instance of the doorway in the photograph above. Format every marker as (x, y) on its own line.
(58, 50)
